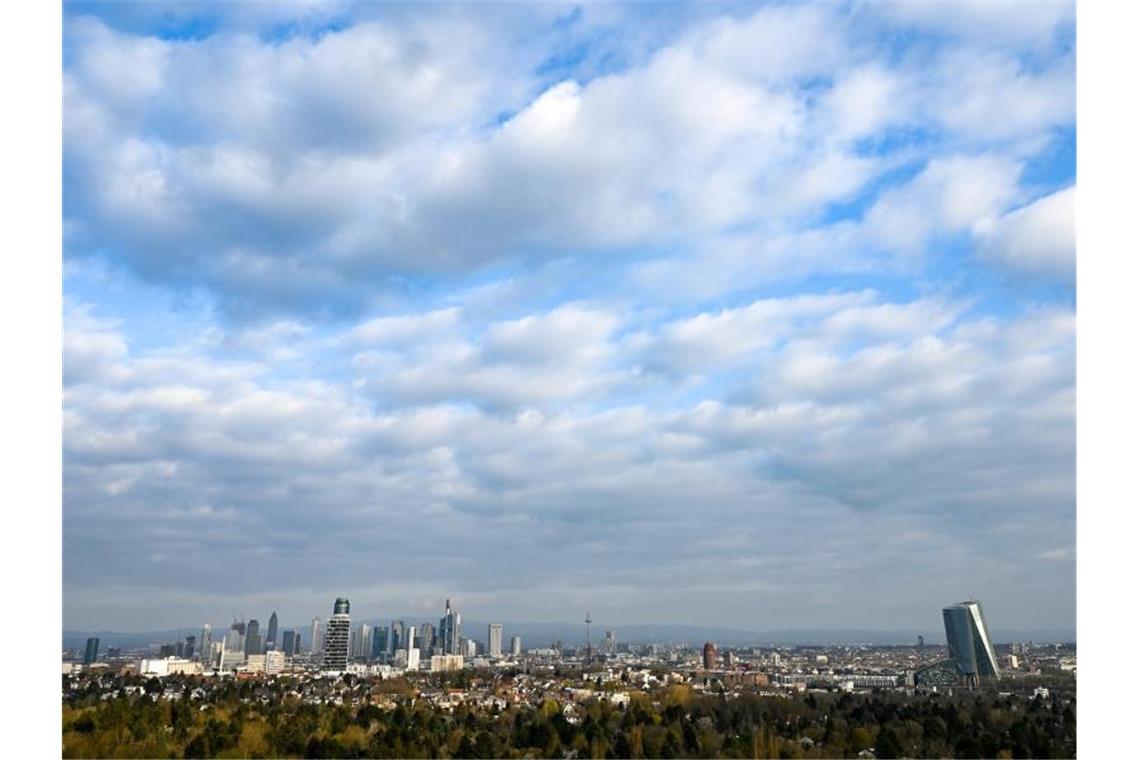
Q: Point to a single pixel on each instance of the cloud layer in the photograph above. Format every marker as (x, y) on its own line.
(759, 316)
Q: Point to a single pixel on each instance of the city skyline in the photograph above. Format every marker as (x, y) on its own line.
(759, 315)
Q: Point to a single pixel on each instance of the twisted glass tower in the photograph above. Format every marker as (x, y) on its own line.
(971, 650)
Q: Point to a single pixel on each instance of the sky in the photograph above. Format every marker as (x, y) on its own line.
(754, 316)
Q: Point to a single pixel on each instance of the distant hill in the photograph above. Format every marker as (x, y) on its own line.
(574, 634)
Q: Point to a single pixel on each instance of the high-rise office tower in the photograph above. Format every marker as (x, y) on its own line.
(426, 638)
(380, 643)
(397, 640)
(610, 646)
(969, 642)
(495, 640)
(409, 640)
(253, 637)
(289, 643)
(206, 645)
(91, 652)
(336, 637)
(189, 650)
(315, 636)
(516, 645)
(235, 641)
(709, 655)
(449, 630)
(271, 634)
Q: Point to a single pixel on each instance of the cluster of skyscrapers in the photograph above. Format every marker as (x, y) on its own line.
(335, 643)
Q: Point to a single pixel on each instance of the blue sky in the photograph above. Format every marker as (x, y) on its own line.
(752, 315)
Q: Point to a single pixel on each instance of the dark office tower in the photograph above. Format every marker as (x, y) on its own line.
(449, 630)
(168, 650)
(289, 643)
(379, 643)
(252, 638)
(271, 634)
(239, 626)
(921, 642)
(188, 651)
(397, 641)
(426, 639)
(180, 649)
(206, 642)
(709, 655)
(336, 637)
(91, 653)
(969, 642)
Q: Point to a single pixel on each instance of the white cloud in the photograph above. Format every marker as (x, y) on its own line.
(306, 174)
(1039, 238)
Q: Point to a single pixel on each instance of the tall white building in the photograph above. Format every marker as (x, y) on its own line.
(315, 636)
(516, 645)
(610, 646)
(205, 647)
(495, 640)
(335, 642)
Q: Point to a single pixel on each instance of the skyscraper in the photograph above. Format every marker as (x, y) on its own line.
(207, 642)
(91, 652)
(252, 637)
(969, 642)
(189, 650)
(449, 629)
(336, 637)
(271, 634)
(709, 655)
(611, 643)
(397, 640)
(426, 637)
(380, 639)
(289, 643)
(315, 636)
(495, 640)
(516, 645)
(235, 640)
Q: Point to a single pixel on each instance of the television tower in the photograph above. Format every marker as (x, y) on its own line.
(588, 650)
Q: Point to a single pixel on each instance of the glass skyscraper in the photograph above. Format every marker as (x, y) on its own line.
(91, 652)
(449, 630)
(971, 650)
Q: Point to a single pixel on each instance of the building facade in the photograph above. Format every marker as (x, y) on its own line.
(449, 629)
(708, 655)
(495, 640)
(336, 637)
(968, 639)
(271, 632)
(315, 636)
(91, 651)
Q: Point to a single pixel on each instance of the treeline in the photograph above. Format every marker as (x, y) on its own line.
(676, 724)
